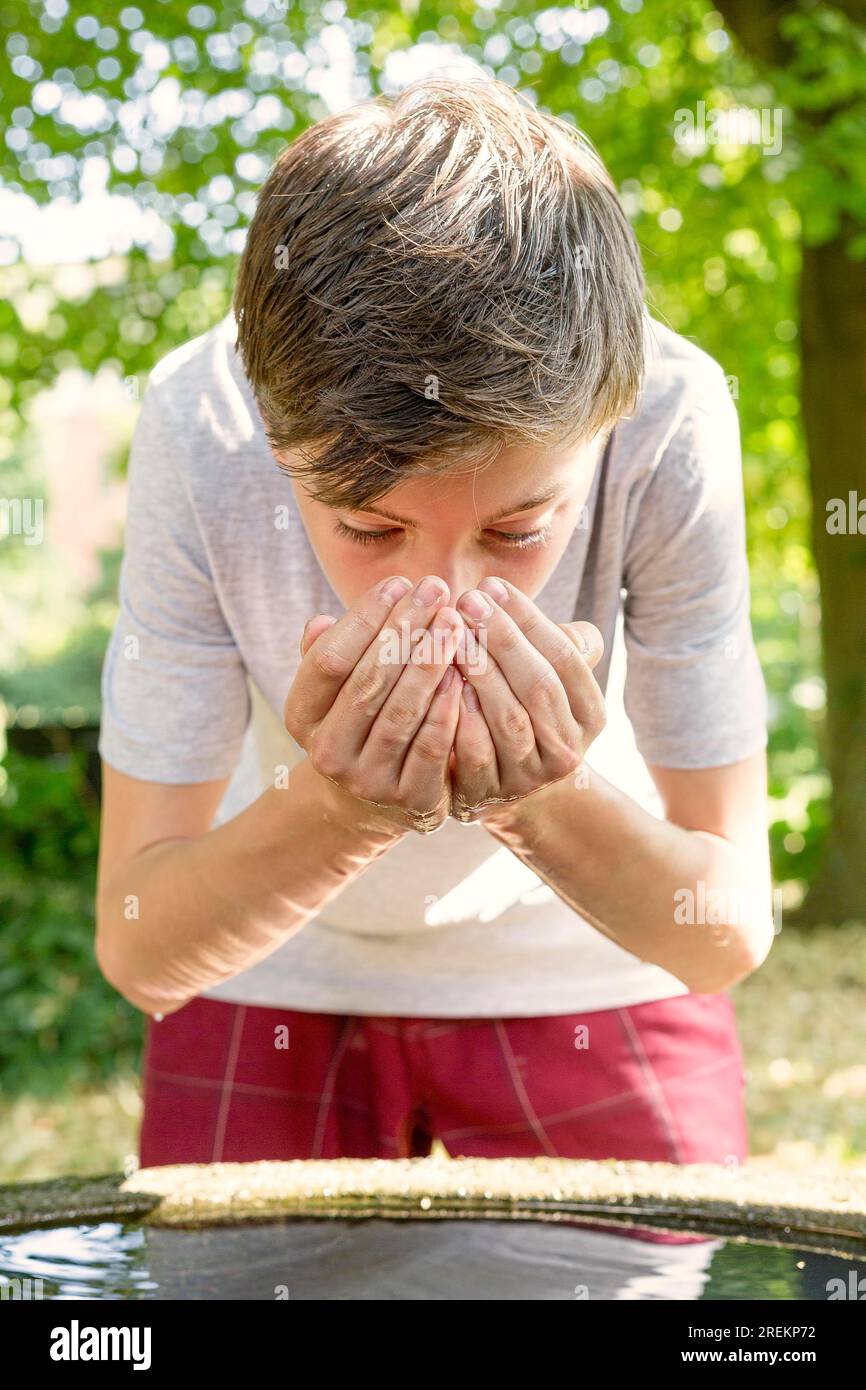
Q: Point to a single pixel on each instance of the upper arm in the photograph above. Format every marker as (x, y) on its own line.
(694, 689)
(175, 702)
(729, 802)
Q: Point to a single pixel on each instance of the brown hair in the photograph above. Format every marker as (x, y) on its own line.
(429, 279)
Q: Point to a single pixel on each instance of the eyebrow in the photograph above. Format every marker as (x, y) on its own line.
(548, 494)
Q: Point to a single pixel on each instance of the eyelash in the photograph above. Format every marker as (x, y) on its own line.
(516, 540)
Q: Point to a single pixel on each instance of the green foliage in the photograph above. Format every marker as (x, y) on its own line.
(60, 1023)
(64, 690)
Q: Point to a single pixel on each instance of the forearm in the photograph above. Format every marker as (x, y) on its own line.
(643, 882)
(186, 914)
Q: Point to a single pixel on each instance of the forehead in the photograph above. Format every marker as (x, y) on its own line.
(520, 478)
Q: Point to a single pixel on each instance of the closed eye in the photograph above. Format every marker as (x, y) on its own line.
(524, 540)
(520, 540)
(363, 537)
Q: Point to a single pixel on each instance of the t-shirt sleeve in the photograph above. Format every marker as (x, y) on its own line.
(175, 702)
(694, 690)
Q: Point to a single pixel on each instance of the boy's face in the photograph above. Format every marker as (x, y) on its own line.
(459, 528)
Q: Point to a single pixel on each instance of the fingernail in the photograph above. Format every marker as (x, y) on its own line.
(395, 587)
(476, 604)
(470, 699)
(496, 589)
(427, 592)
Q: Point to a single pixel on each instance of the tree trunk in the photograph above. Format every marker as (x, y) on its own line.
(833, 329)
(833, 342)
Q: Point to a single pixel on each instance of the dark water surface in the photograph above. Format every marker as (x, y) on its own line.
(406, 1260)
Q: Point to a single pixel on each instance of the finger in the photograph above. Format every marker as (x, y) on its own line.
(424, 771)
(587, 639)
(403, 641)
(533, 681)
(558, 642)
(328, 663)
(402, 713)
(313, 629)
(560, 645)
(475, 767)
(509, 723)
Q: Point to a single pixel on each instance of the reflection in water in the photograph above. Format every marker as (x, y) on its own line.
(107, 1260)
(396, 1260)
(403, 1260)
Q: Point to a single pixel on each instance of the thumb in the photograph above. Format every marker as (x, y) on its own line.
(313, 629)
(587, 639)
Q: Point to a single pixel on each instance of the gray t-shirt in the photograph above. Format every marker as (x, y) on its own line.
(219, 578)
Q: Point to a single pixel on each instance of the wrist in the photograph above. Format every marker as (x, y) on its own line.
(510, 819)
(378, 825)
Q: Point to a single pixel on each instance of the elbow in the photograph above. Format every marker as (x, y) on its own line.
(124, 976)
(732, 962)
(106, 957)
(115, 970)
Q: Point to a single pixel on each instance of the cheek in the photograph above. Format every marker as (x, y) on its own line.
(530, 570)
(353, 575)
(529, 573)
(349, 569)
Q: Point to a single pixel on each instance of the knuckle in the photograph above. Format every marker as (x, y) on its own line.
(329, 662)
(516, 723)
(389, 741)
(529, 766)
(366, 625)
(564, 760)
(399, 716)
(327, 759)
(544, 686)
(511, 638)
(530, 623)
(428, 746)
(370, 686)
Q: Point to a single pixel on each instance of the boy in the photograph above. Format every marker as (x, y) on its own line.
(449, 436)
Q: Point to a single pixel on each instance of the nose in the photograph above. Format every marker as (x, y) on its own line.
(459, 576)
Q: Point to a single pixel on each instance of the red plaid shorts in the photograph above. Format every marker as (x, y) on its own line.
(237, 1082)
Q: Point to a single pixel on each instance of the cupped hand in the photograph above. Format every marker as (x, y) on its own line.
(530, 707)
(378, 726)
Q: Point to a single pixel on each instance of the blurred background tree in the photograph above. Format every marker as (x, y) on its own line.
(816, 61)
(133, 144)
